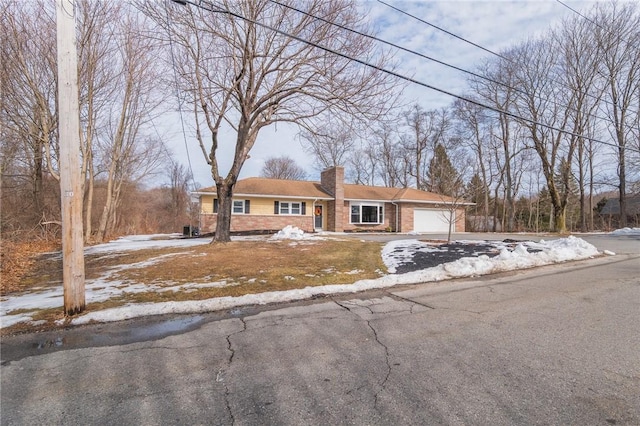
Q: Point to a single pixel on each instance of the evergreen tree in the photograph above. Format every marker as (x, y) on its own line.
(476, 191)
(442, 177)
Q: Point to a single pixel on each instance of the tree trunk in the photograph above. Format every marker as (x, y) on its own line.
(38, 195)
(495, 210)
(622, 188)
(107, 209)
(559, 219)
(224, 189)
(591, 185)
(89, 205)
(581, 185)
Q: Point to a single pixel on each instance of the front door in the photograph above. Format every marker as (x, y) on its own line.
(318, 217)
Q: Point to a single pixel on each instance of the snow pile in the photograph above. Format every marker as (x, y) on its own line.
(626, 231)
(546, 253)
(289, 233)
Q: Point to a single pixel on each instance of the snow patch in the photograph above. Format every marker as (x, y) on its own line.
(626, 231)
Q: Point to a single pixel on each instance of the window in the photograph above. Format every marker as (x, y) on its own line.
(238, 206)
(367, 213)
(289, 207)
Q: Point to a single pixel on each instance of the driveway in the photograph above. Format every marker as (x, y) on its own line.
(621, 244)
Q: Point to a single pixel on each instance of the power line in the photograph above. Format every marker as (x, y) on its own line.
(207, 5)
(443, 30)
(413, 52)
(511, 61)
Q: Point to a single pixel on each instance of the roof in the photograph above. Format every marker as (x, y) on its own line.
(381, 193)
(264, 187)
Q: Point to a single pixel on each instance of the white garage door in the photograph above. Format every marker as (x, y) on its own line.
(431, 220)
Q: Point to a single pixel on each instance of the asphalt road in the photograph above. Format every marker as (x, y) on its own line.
(557, 345)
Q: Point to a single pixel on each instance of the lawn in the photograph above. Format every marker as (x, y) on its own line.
(205, 271)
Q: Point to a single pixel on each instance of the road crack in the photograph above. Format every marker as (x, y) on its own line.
(384, 381)
(413, 302)
(220, 376)
(386, 357)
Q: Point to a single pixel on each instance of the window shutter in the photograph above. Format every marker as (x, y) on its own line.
(304, 208)
(246, 206)
(215, 205)
(276, 207)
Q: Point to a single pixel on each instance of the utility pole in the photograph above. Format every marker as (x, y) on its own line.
(69, 135)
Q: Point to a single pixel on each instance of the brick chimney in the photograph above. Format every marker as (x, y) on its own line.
(332, 181)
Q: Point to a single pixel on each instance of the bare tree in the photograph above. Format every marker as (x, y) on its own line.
(537, 75)
(28, 107)
(394, 167)
(283, 167)
(451, 182)
(473, 127)
(364, 164)
(179, 200)
(499, 89)
(128, 151)
(97, 46)
(617, 38)
(330, 144)
(243, 76)
(424, 130)
(110, 46)
(579, 62)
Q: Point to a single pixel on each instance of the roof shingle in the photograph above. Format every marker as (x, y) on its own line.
(257, 186)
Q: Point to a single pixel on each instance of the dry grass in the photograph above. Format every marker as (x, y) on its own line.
(246, 266)
(18, 258)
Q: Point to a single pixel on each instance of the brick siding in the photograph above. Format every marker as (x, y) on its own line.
(247, 223)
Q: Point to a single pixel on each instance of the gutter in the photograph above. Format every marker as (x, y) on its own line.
(313, 215)
(396, 204)
(278, 196)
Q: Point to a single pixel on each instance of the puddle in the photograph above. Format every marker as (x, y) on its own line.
(50, 343)
(166, 328)
(121, 334)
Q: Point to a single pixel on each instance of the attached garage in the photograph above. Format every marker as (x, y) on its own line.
(432, 220)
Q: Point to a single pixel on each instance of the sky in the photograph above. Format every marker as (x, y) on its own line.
(492, 24)
(394, 254)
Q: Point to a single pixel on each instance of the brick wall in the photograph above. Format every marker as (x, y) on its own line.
(244, 223)
(389, 220)
(332, 181)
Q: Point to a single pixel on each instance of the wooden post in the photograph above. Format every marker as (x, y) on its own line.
(69, 134)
